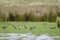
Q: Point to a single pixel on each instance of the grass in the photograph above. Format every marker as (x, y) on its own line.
(41, 28)
(29, 2)
(57, 39)
(58, 18)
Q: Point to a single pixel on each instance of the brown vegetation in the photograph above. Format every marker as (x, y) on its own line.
(30, 13)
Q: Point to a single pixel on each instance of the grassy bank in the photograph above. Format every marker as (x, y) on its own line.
(40, 28)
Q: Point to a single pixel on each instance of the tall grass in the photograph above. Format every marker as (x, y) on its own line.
(2, 17)
(11, 17)
(58, 14)
(50, 17)
(17, 17)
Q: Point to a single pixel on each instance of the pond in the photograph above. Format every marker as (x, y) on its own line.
(27, 36)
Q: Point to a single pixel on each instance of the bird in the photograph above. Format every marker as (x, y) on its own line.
(19, 26)
(4, 27)
(14, 26)
(52, 27)
(30, 28)
(24, 26)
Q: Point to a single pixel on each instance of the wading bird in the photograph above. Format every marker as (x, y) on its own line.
(52, 27)
(32, 27)
(14, 26)
(24, 26)
(4, 27)
(19, 26)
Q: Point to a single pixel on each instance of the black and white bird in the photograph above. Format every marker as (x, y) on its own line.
(32, 27)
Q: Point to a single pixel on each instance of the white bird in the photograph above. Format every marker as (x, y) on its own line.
(19, 26)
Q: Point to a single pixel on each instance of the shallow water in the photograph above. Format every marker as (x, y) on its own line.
(27, 36)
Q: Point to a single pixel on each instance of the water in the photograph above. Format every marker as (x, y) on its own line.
(45, 37)
(27, 36)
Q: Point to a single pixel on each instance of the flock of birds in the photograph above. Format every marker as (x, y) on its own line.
(19, 26)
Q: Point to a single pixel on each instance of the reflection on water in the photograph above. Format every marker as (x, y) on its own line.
(27, 36)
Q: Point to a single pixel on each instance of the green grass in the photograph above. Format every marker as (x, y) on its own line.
(57, 39)
(41, 28)
(58, 18)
